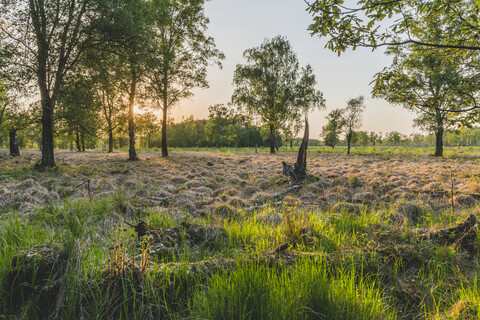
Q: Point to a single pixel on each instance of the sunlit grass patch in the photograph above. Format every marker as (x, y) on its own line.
(307, 290)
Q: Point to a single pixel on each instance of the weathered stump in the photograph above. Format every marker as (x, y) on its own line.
(299, 170)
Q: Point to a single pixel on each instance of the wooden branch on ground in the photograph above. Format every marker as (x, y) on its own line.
(464, 234)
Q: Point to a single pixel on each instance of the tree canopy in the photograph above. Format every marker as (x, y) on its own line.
(182, 54)
(270, 86)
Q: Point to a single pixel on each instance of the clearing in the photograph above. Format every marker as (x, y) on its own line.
(358, 240)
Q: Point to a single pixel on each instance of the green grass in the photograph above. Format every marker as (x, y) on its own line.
(352, 266)
(306, 290)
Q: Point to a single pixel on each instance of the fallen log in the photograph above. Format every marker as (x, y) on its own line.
(162, 200)
(463, 234)
(263, 206)
(285, 191)
(169, 242)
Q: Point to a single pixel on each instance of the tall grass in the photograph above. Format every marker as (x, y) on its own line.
(305, 291)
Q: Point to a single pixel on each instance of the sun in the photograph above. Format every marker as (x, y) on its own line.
(136, 109)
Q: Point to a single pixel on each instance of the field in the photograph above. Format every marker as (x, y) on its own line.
(357, 240)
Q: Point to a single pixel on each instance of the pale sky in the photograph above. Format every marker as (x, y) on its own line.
(239, 25)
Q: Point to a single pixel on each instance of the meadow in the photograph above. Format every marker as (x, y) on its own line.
(349, 243)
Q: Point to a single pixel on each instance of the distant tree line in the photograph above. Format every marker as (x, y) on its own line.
(468, 137)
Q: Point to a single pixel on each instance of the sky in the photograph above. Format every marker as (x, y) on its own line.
(239, 25)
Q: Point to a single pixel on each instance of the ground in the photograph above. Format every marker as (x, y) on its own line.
(359, 219)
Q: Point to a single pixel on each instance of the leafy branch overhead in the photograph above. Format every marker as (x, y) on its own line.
(372, 23)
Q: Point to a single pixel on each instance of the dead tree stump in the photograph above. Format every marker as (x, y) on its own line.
(299, 170)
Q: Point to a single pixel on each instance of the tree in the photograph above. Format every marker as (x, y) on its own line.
(373, 23)
(78, 108)
(428, 82)
(44, 40)
(270, 86)
(352, 115)
(374, 137)
(128, 27)
(393, 138)
(147, 124)
(362, 138)
(105, 69)
(333, 128)
(182, 55)
(220, 129)
(13, 117)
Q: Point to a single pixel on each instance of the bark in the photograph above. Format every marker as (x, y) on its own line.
(110, 140)
(439, 135)
(82, 137)
(276, 141)
(14, 150)
(77, 141)
(132, 154)
(48, 159)
(349, 143)
(299, 172)
(272, 139)
(439, 142)
(301, 164)
(164, 132)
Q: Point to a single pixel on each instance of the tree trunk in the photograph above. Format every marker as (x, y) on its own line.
(439, 142)
(349, 143)
(14, 151)
(132, 154)
(276, 141)
(149, 141)
(291, 143)
(272, 139)
(77, 141)
(48, 158)
(82, 138)
(334, 141)
(110, 140)
(71, 145)
(164, 131)
(439, 135)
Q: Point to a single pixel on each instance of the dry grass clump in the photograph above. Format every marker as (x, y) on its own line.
(365, 197)
(337, 179)
(225, 211)
(236, 202)
(465, 200)
(345, 207)
(26, 196)
(464, 309)
(410, 213)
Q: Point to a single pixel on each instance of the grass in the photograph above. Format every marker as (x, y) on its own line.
(77, 259)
